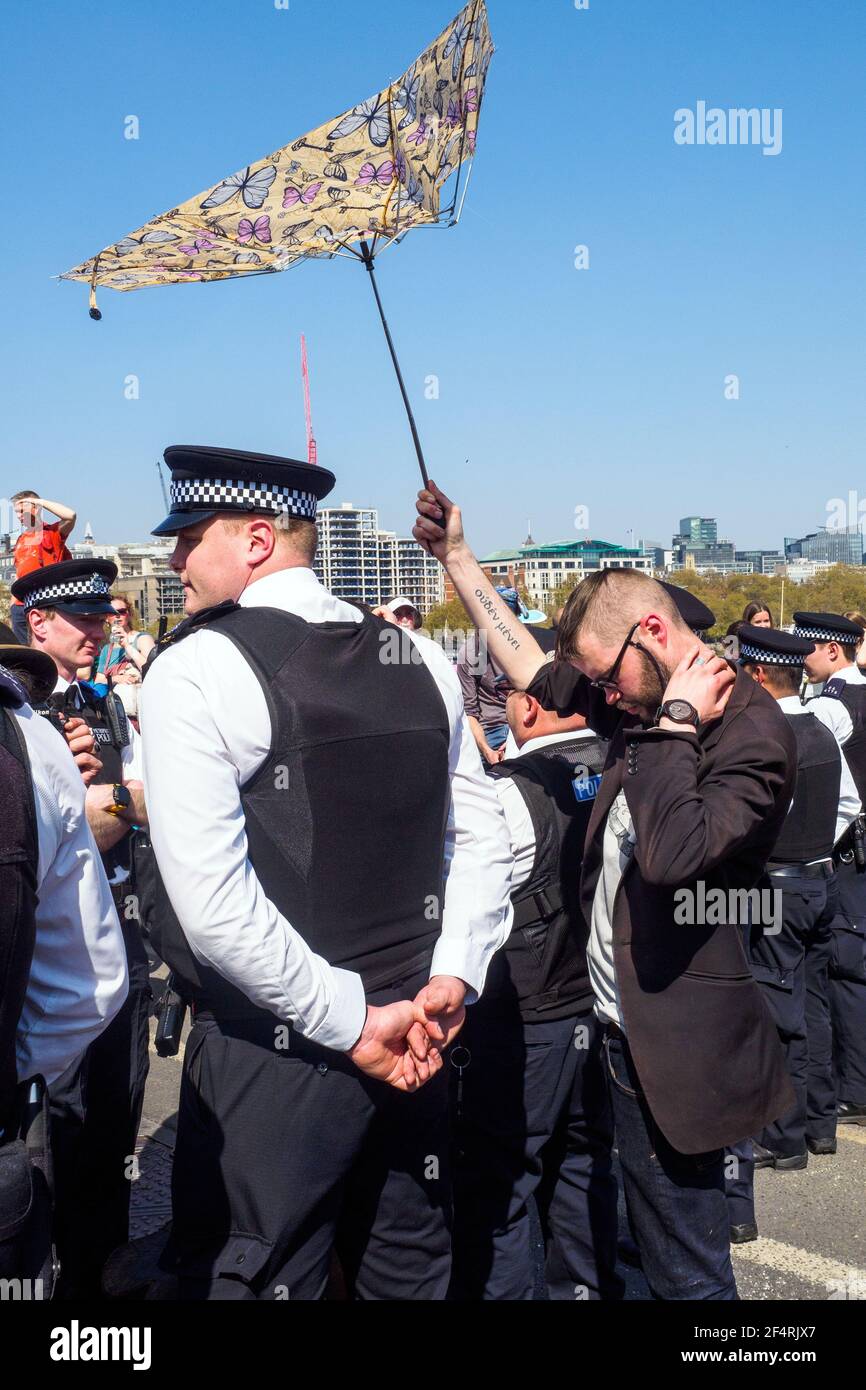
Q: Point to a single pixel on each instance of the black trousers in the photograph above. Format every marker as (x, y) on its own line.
(533, 1118)
(848, 988)
(285, 1154)
(791, 967)
(95, 1113)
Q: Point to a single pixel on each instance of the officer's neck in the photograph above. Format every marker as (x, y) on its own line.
(67, 671)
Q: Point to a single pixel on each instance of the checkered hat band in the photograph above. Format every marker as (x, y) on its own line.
(825, 634)
(86, 586)
(226, 494)
(750, 653)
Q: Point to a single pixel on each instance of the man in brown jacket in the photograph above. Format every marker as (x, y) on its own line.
(698, 781)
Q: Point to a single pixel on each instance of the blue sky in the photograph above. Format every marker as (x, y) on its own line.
(601, 388)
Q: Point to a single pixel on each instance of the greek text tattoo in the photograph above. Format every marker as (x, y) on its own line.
(498, 625)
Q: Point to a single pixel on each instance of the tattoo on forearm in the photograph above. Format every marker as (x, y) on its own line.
(493, 614)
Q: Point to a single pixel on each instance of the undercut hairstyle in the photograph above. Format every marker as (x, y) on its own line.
(292, 532)
(786, 679)
(606, 604)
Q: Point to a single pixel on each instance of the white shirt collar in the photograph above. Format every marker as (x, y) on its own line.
(297, 590)
(852, 675)
(791, 704)
(545, 740)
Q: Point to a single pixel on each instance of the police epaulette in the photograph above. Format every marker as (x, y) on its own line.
(834, 688)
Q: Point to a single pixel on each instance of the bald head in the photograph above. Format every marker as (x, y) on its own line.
(528, 720)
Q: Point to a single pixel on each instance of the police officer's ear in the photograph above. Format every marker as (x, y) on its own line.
(529, 710)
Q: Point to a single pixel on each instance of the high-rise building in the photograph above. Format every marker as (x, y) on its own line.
(697, 531)
(831, 545)
(357, 560)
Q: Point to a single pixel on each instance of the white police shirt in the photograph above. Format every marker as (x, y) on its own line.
(78, 978)
(841, 724)
(206, 731)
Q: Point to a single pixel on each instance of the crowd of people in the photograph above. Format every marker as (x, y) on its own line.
(451, 941)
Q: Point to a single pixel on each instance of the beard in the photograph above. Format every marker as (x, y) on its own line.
(650, 689)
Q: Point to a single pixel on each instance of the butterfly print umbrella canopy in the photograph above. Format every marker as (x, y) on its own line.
(351, 187)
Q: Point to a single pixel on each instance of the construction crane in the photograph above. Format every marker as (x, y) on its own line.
(162, 485)
(312, 452)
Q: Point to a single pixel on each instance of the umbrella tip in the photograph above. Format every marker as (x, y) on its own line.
(95, 313)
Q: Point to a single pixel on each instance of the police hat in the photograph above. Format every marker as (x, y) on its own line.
(694, 614)
(16, 657)
(206, 481)
(827, 627)
(771, 647)
(73, 586)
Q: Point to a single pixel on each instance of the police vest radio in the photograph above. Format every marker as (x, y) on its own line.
(858, 843)
(171, 1013)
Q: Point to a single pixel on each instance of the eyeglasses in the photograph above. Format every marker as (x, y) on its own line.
(609, 682)
(121, 612)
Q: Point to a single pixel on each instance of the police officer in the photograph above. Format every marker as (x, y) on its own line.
(98, 1103)
(789, 947)
(532, 1112)
(843, 698)
(339, 872)
(62, 969)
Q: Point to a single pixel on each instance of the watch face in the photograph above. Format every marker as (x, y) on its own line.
(122, 798)
(680, 709)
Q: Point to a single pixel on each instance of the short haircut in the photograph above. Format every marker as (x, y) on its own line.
(783, 677)
(26, 492)
(48, 614)
(294, 532)
(606, 603)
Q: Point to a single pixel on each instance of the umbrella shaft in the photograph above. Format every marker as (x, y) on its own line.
(368, 262)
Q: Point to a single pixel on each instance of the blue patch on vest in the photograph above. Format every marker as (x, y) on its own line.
(586, 788)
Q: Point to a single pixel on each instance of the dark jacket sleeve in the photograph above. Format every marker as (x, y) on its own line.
(561, 687)
(686, 827)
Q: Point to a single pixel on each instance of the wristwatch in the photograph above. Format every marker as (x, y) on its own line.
(122, 800)
(679, 712)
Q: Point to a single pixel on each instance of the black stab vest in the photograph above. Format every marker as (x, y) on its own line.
(19, 858)
(809, 830)
(853, 697)
(543, 964)
(346, 817)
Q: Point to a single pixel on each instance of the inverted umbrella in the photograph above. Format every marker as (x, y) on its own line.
(362, 181)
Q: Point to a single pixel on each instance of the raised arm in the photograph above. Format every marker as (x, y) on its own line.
(67, 515)
(508, 642)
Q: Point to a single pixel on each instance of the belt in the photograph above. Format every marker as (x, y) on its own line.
(819, 868)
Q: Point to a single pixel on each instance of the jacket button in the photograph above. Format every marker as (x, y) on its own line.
(322, 1068)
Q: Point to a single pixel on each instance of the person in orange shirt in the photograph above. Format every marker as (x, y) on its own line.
(40, 543)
